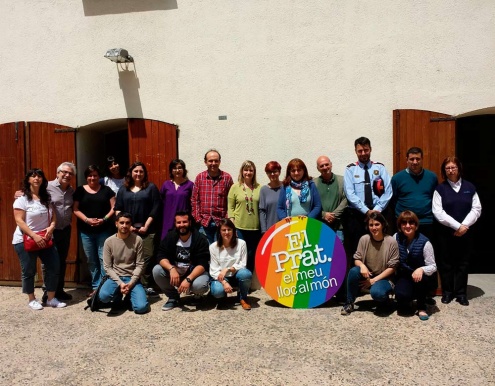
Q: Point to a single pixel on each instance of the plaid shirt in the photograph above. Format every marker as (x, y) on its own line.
(209, 197)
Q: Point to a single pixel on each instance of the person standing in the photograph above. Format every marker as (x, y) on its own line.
(243, 201)
(36, 219)
(456, 206)
(333, 199)
(61, 193)
(209, 196)
(123, 261)
(269, 196)
(413, 190)
(367, 188)
(141, 198)
(93, 207)
(176, 194)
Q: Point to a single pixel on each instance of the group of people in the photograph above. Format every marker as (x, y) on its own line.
(204, 234)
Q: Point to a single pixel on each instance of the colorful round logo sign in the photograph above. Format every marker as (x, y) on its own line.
(300, 262)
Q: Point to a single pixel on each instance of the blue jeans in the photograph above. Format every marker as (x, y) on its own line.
(93, 249)
(210, 231)
(49, 258)
(378, 291)
(110, 291)
(241, 279)
(199, 285)
(252, 238)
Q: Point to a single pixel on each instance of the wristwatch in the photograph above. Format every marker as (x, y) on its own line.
(188, 280)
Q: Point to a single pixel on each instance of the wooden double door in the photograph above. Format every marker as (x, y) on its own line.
(26, 145)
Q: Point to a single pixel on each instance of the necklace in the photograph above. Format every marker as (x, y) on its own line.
(249, 200)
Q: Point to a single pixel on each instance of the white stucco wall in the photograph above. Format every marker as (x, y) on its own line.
(295, 79)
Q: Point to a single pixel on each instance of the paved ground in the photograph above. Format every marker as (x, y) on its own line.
(269, 345)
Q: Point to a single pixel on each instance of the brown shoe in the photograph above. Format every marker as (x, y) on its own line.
(245, 305)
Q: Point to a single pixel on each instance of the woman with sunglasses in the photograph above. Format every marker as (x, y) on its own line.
(416, 265)
(33, 213)
(456, 206)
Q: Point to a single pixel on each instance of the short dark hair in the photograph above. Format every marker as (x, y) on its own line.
(226, 222)
(183, 213)
(271, 166)
(414, 150)
(90, 169)
(377, 216)
(363, 141)
(123, 214)
(173, 164)
(215, 151)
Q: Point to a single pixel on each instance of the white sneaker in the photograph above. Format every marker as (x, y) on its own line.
(35, 305)
(55, 303)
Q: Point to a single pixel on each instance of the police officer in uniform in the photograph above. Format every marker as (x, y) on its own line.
(367, 188)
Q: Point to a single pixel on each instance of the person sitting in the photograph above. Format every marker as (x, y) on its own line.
(228, 264)
(416, 265)
(123, 261)
(376, 259)
(183, 258)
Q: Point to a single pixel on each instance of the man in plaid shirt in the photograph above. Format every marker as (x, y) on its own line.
(209, 196)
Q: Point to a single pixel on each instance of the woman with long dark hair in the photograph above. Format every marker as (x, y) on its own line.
(34, 215)
(113, 177)
(228, 264)
(299, 196)
(93, 207)
(456, 206)
(141, 198)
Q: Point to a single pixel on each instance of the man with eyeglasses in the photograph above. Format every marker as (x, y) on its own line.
(61, 195)
(413, 190)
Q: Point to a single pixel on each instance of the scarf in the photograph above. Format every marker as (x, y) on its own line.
(303, 197)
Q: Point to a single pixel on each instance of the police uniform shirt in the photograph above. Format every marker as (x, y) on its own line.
(354, 185)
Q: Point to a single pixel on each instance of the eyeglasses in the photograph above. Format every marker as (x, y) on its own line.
(451, 168)
(66, 172)
(272, 172)
(410, 222)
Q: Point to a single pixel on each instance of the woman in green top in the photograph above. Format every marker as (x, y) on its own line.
(243, 209)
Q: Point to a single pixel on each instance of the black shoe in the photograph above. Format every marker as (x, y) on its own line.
(44, 298)
(446, 298)
(462, 300)
(62, 295)
(430, 301)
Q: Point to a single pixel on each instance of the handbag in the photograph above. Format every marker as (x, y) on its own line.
(29, 243)
(31, 246)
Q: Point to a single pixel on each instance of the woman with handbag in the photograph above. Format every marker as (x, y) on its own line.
(35, 220)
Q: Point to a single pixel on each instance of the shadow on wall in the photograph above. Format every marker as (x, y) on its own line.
(109, 7)
(129, 84)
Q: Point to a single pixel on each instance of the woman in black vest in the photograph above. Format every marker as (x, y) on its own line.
(456, 206)
(416, 265)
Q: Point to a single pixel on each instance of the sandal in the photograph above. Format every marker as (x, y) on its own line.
(423, 315)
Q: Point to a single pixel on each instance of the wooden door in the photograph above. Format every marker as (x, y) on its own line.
(433, 132)
(12, 169)
(155, 144)
(47, 146)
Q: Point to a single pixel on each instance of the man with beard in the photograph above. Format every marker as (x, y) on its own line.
(367, 188)
(183, 258)
(123, 261)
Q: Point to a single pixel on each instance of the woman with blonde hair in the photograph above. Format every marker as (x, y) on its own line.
(243, 206)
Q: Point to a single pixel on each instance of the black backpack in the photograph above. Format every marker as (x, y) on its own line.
(94, 303)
